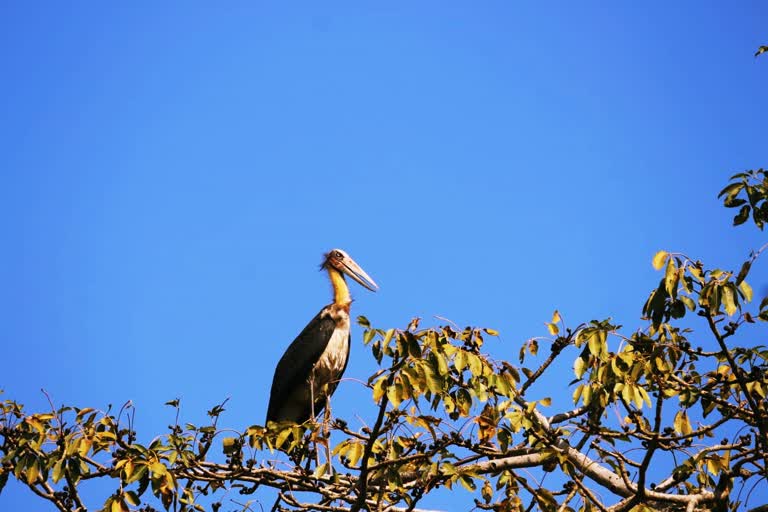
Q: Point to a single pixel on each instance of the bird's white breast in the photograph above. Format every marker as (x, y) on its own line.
(334, 358)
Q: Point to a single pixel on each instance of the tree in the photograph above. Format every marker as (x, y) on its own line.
(657, 422)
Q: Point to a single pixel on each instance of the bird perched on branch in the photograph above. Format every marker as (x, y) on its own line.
(310, 369)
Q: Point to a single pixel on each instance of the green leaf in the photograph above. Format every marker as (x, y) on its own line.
(132, 498)
(742, 216)
(363, 322)
(33, 470)
(468, 483)
(743, 272)
(434, 382)
(58, 470)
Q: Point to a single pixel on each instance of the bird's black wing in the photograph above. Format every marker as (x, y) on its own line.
(296, 364)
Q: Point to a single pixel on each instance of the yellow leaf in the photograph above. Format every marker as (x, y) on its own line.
(33, 470)
(33, 421)
(460, 360)
(659, 259)
(555, 317)
(577, 393)
(595, 345)
(553, 329)
(746, 290)
(379, 389)
(158, 468)
(354, 453)
(682, 424)
(728, 300)
(394, 394)
(579, 367)
(670, 278)
(82, 413)
(85, 446)
(321, 470)
(713, 465)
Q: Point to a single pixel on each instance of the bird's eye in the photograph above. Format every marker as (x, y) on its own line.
(337, 255)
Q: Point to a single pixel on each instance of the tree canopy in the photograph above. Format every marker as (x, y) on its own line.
(668, 415)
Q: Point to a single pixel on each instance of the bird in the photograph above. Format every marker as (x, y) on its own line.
(309, 370)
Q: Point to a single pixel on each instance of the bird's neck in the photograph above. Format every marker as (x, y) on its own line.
(340, 289)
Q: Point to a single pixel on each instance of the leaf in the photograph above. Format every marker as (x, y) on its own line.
(394, 394)
(354, 453)
(742, 216)
(475, 364)
(729, 300)
(468, 483)
(670, 278)
(553, 329)
(595, 344)
(321, 470)
(58, 470)
(434, 382)
(33, 470)
(460, 360)
(379, 389)
(119, 505)
(681, 424)
(659, 259)
(746, 291)
(579, 367)
(229, 445)
(688, 302)
(363, 322)
(132, 498)
(761, 50)
(83, 412)
(491, 332)
(743, 272)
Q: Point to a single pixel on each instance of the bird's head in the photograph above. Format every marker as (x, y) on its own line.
(340, 260)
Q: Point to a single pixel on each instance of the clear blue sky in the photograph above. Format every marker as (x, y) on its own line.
(170, 176)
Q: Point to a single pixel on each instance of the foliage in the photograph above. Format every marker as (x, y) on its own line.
(658, 421)
(749, 193)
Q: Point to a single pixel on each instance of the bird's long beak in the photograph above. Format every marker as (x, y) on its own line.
(353, 270)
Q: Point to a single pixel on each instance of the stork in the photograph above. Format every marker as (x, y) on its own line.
(310, 369)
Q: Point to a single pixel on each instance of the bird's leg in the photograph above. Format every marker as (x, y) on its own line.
(312, 435)
(312, 395)
(327, 433)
